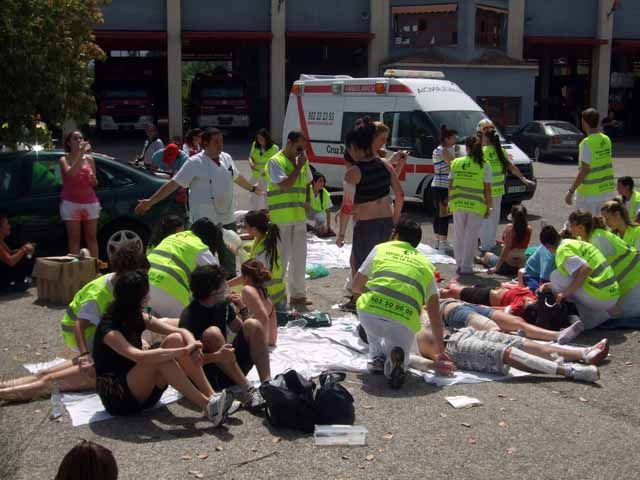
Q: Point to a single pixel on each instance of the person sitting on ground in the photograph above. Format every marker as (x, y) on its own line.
(209, 317)
(537, 270)
(130, 379)
(168, 225)
(78, 327)
(495, 352)
(616, 217)
(15, 264)
(515, 240)
(255, 296)
(88, 461)
(457, 314)
(626, 188)
(169, 159)
(319, 210)
(583, 277)
(623, 259)
(173, 260)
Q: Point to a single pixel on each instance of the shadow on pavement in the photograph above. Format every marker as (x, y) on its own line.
(377, 386)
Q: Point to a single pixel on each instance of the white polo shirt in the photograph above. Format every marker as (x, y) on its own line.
(210, 187)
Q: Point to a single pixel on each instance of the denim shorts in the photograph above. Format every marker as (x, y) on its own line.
(458, 317)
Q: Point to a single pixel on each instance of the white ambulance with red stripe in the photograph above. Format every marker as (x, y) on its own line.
(413, 104)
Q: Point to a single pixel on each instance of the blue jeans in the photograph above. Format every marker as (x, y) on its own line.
(458, 317)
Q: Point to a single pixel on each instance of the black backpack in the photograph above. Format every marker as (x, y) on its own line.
(549, 314)
(289, 401)
(334, 403)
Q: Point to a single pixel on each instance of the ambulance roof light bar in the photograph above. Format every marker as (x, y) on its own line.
(306, 76)
(393, 73)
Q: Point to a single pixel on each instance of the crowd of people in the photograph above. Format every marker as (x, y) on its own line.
(212, 324)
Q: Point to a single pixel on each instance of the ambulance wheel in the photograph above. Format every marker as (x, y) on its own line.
(427, 201)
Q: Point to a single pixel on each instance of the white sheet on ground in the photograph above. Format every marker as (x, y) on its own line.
(325, 252)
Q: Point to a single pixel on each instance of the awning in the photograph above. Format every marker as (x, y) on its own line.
(490, 8)
(566, 41)
(417, 9)
(227, 35)
(332, 35)
(125, 40)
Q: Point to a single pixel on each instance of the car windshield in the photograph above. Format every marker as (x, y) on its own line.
(561, 128)
(125, 93)
(464, 121)
(223, 91)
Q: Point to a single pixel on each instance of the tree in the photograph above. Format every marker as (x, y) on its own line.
(47, 49)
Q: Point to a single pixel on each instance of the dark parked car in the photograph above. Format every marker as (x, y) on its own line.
(30, 184)
(542, 138)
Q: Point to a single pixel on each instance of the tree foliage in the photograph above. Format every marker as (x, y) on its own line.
(47, 50)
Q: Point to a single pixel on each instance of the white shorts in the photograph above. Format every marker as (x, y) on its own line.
(79, 212)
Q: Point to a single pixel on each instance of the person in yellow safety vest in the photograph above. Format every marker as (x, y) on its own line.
(630, 196)
(595, 182)
(320, 205)
(469, 201)
(616, 217)
(288, 175)
(500, 164)
(78, 330)
(583, 276)
(623, 259)
(173, 261)
(262, 149)
(392, 287)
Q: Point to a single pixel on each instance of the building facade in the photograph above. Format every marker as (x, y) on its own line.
(519, 59)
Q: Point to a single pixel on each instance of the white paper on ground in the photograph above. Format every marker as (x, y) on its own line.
(463, 401)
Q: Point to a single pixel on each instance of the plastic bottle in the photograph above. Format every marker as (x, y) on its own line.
(57, 407)
(326, 435)
(232, 240)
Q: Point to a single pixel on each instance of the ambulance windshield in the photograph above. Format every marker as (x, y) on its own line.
(465, 122)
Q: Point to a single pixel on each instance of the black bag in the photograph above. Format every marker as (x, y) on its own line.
(334, 403)
(551, 315)
(289, 401)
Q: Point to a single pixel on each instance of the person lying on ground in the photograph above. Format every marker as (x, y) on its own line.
(130, 379)
(513, 298)
(209, 317)
(255, 277)
(78, 330)
(457, 314)
(490, 351)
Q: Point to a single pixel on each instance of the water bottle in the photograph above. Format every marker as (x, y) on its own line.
(232, 240)
(57, 408)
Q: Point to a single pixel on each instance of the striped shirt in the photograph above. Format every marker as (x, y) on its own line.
(441, 168)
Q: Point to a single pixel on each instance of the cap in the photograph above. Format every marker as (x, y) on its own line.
(484, 123)
(170, 154)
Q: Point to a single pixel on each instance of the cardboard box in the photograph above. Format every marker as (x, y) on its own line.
(60, 278)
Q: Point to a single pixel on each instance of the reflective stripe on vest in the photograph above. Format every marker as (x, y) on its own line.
(600, 179)
(276, 287)
(632, 236)
(467, 193)
(172, 262)
(497, 170)
(623, 262)
(601, 283)
(287, 206)
(97, 290)
(397, 286)
(260, 159)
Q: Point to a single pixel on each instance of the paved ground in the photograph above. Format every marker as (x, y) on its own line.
(527, 428)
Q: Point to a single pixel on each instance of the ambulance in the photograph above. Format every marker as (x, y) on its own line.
(413, 104)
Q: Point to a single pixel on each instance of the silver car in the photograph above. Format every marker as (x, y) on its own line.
(546, 138)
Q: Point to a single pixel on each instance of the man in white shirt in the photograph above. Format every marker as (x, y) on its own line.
(209, 176)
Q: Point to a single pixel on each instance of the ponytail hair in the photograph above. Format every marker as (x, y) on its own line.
(587, 220)
(446, 132)
(260, 220)
(519, 221)
(256, 272)
(474, 149)
(616, 205)
(494, 139)
(362, 135)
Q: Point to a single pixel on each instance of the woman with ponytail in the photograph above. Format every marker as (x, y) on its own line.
(443, 155)
(623, 259)
(500, 164)
(255, 277)
(616, 216)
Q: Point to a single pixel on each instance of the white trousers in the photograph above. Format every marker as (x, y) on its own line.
(258, 202)
(466, 228)
(590, 204)
(384, 334)
(489, 227)
(294, 257)
(592, 311)
(164, 305)
(629, 305)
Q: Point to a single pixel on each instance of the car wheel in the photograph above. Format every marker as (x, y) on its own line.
(537, 154)
(113, 236)
(427, 201)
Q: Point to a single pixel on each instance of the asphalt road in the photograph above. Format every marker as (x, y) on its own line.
(529, 428)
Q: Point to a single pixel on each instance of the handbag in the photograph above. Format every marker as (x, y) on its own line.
(333, 402)
(289, 401)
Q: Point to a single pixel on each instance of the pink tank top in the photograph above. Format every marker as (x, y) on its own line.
(77, 188)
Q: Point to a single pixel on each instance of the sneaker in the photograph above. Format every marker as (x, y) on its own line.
(218, 407)
(376, 364)
(349, 306)
(394, 368)
(571, 332)
(583, 373)
(597, 353)
(252, 400)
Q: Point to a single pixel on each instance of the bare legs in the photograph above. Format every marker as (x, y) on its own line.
(255, 334)
(75, 229)
(511, 323)
(68, 376)
(213, 340)
(74, 234)
(90, 228)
